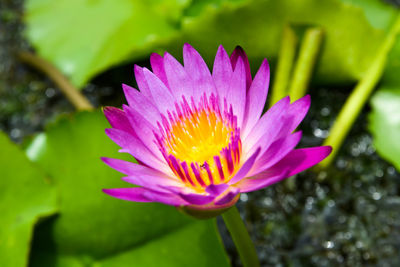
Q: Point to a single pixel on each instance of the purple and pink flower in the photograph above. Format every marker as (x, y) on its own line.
(200, 138)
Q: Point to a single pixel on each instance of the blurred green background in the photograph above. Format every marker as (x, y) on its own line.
(53, 212)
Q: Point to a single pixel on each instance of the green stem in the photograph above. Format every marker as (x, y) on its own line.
(70, 92)
(287, 54)
(359, 96)
(241, 238)
(309, 50)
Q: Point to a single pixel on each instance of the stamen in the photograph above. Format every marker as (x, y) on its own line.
(201, 143)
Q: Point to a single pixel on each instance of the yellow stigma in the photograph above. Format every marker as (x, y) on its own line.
(201, 145)
(199, 137)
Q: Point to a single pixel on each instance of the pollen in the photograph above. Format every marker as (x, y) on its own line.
(201, 143)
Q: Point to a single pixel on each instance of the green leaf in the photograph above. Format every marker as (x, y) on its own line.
(93, 226)
(257, 27)
(391, 76)
(25, 197)
(378, 13)
(83, 38)
(191, 245)
(85, 44)
(384, 124)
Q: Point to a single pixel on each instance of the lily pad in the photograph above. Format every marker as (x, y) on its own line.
(257, 27)
(83, 38)
(26, 196)
(191, 245)
(384, 124)
(93, 226)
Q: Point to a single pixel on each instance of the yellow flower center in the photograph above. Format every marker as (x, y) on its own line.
(201, 144)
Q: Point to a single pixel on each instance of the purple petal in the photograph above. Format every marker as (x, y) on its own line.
(300, 159)
(144, 130)
(117, 119)
(141, 81)
(267, 128)
(162, 97)
(139, 194)
(178, 79)
(136, 148)
(228, 197)
(277, 151)
(261, 180)
(256, 96)
(142, 104)
(152, 180)
(190, 195)
(199, 72)
(222, 73)
(165, 198)
(157, 66)
(237, 91)
(123, 166)
(239, 53)
(245, 168)
(196, 199)
(216, 189)
(142, 175)
(130, 194)
(297, 111)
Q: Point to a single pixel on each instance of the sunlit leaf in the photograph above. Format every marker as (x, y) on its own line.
(26, 196)
(384, 124)
(257, 26)
(84, 38)
(93, 226)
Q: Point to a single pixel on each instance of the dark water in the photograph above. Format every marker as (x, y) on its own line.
(347, 215)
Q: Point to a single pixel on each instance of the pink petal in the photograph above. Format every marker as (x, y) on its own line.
(222, 73)
(278, 150)
(256, 97)
(117, 119)
(190, 196)
(162, 97)
(139, 194)
(152, 180)
(228, 196)
(246, 167)
(216, 189)
(141, 82)
(261, 180)
(300, 159)
(267, 128)
(130, 194)
(237, 92)
(297, 111)
(142, 175)
(123, 166)
(239, 53)
(144, 130)
(199, 72)
(132, 145)
(157, 65)
(178, 79)
(165, 198)
(142, 104)
(196, 199)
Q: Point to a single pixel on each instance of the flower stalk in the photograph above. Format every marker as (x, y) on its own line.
(77, 99)
(309, 49)
(241, 237)
(286, 59)
(359, 96)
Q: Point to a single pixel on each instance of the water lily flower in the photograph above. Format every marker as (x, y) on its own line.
(200, 138)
